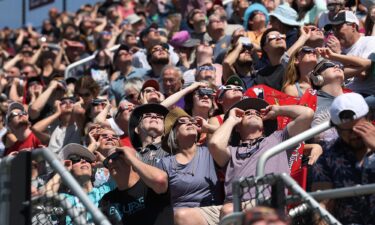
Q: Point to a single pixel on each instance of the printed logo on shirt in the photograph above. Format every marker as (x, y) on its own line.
(134, 206)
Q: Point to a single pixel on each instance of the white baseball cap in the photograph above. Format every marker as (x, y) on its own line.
(348, 102)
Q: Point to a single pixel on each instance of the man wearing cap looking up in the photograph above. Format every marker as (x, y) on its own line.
(146, 127)
(184, 46)
(196, 20)
(284, 19)
(150, 92)
(122, 60)
(350, 161)
(350, 42)
(17, 121)
(148, 38)
(253, 124)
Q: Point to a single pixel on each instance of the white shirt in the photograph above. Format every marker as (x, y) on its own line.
(365, 48)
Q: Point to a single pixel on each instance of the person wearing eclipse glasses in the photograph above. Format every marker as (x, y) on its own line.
(17, 121)
(78, 160)
(254, 130)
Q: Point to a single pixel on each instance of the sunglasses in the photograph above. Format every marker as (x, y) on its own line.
(109, 136)
(98, 101)
(149, 90)
(314, 29)
(307, 50)
(201, 92)
(272, 37)
(185, 120)
(77, 158)
(236, 88)
(252, 112)
(14, 114)
(152, 115)
(328, 65)
(124, 108)
(201, 68)
(113, 156)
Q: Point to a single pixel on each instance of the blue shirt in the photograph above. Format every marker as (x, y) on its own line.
(338, 165)
(116, 90)
(95, 196)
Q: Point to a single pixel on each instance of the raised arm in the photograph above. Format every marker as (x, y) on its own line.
(230, 59)
(173, 99)
(302, 117)
(153, 177)
(354, 65)
(101, 118)
(218, 144)
(37, 106)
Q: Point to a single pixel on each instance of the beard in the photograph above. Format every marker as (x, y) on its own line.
(22, 123)
(160, 61)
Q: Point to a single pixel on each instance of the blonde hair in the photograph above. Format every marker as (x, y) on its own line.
(292, 74)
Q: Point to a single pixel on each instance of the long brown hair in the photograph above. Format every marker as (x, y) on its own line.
(369, 24)
(292, 74)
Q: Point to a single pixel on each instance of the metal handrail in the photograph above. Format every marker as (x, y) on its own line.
(287, 144)
(85, 60)
(290, 183)
(69, 180)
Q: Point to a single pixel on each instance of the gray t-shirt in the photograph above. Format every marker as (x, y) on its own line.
(194, 184)
(246, 167)
(322, 115)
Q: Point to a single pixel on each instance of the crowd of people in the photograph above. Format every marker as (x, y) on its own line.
(194, 93)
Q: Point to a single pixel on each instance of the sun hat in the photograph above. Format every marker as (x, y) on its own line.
(137, 115)
(286, 14)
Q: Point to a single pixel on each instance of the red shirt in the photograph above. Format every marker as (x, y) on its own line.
(30, 143)
(125, 141)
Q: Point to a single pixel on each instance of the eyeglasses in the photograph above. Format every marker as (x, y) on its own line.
(230, 87)
(272, 37)
(186, 120)
(77, 158)
(201, 68)
(312, 28)
(149, 90)
(328, 65)
(152, 115)
(113, 156)
(109, 136)
(252, 112)
(130, 96)
(14, 114)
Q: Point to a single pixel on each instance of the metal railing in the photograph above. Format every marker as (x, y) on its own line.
(72, 184)
(258, 182)
(85, 60)
(287, 144)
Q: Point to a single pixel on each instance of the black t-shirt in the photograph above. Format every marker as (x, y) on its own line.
(137, 205)
(271, 76)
